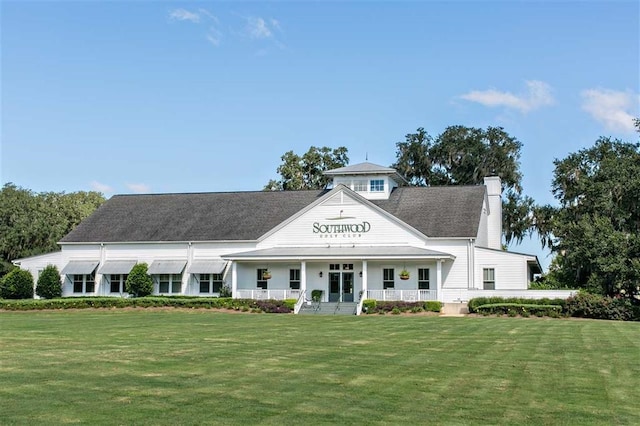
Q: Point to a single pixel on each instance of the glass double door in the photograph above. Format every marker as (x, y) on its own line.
(340, 286)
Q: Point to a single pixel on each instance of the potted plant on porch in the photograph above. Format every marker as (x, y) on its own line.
(266, 274)
(404, 274)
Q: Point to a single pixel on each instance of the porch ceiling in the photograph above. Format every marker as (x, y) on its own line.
(364, 253)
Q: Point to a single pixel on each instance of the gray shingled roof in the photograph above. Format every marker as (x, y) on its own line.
(436, 212)
(439, 211)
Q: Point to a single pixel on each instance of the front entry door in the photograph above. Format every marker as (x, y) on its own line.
(341, 282)
(334, 286)
(347, 286)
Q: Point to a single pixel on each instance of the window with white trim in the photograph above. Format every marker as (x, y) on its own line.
(423, 279)
(261, 281)
(376, 185)
(294, 279)
(169, 283)
(489, 279)
(84, 283)
(117, 283)
(360, 186)
(210, 283)
(388, 280)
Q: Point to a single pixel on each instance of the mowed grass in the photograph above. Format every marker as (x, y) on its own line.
(204, 367)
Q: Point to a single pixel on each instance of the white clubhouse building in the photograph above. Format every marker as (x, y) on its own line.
(351, 241)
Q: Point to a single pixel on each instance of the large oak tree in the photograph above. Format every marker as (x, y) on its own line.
(465, 156)
(307, 171)
(595, 230)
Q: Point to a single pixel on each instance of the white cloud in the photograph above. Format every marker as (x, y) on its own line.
(258, 28)
(214, 36)
(209, 14)
(139, 188)
(100, 187)
(184, 15)
(538, 94)
(612, 108)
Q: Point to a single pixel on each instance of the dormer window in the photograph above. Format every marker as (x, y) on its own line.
(360, 185)
(376, 185)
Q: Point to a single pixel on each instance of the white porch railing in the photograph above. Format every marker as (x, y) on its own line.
(404, 295)
(299, 302)
(267, 294)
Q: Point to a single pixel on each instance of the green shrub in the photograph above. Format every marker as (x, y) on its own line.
(17, 284)
(395, 311)
(316, 295)
(290, 303)
(369, 305)
(432, 306)
(587, 305)
(49, 284)
(139, 283)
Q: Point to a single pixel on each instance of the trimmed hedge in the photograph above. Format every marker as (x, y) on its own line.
(523, 309)
(269, 306)
(473, 304)
(398, 306)
(581, 305)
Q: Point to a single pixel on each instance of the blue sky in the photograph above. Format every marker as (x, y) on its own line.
(146, 96)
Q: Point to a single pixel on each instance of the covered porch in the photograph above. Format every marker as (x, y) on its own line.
(338, 274)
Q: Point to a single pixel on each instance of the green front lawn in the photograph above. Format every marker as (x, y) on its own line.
(195, 367)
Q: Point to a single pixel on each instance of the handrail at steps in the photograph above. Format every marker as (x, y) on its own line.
(299, 302)
(360, 303)
(337, 307)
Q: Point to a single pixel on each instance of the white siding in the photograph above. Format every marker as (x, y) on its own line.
(455, 274)
(349, 182)
(482, 239)
(383, 230)
(510, 269)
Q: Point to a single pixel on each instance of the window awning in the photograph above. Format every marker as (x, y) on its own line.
(166, 267)
(207, 266)
(79, 267)
(117, 267)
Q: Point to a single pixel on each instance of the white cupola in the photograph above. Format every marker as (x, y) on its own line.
(372, 181)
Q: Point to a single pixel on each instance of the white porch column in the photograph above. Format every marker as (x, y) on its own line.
(364, 278)
(439, 279)
(303, 276)
(234, 279)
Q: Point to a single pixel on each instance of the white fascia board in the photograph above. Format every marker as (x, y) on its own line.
(76, 243)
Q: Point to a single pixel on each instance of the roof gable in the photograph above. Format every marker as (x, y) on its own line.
(342, 216)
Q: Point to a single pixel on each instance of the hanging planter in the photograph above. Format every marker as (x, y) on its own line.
(404, 275)
(266, 275)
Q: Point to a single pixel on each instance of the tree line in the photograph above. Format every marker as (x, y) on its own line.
(593, 231)
(33, 223)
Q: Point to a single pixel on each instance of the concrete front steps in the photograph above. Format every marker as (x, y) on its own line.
(329, 308)
(454, 309)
